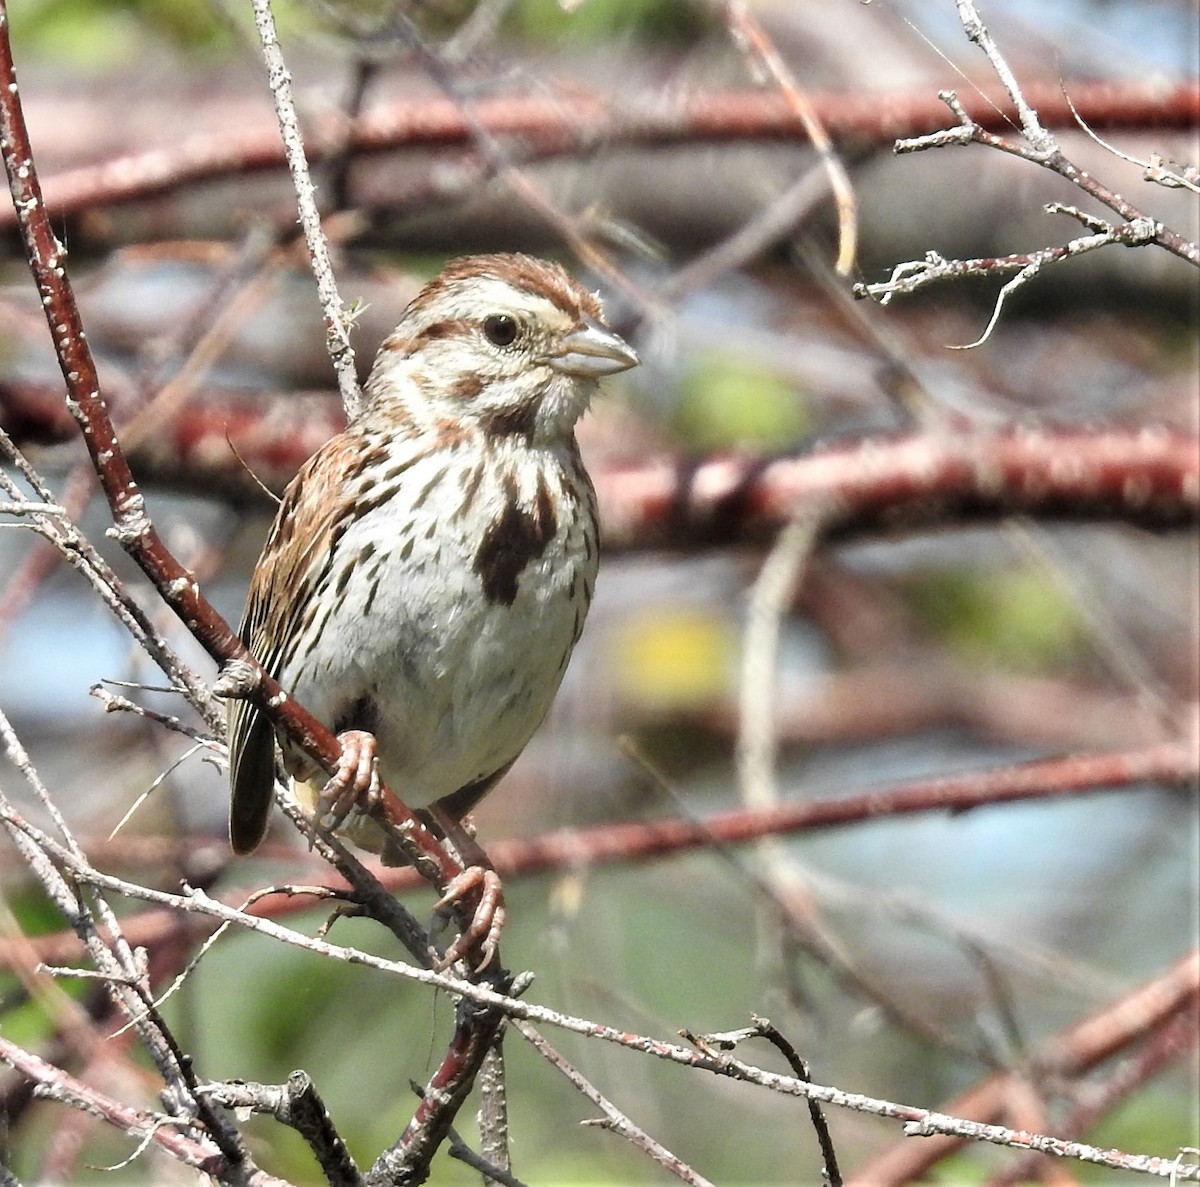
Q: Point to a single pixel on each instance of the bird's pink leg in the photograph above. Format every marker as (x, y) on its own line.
(482, 932)
(355, 784)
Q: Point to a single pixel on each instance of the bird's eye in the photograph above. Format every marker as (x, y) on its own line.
(500, 329)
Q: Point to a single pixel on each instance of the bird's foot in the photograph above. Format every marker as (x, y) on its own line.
(482, 933)
(355, 784)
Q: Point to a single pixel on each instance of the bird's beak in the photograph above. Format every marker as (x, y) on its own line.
(590, 352)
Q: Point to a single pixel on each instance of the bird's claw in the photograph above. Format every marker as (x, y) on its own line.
(355, 784)
(483, 931)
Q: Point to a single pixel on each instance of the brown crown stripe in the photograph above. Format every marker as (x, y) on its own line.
(539, 277)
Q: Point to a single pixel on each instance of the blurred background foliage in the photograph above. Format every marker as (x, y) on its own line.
(1018, 617)
(119, 31)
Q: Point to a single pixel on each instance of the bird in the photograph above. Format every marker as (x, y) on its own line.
(430, 568)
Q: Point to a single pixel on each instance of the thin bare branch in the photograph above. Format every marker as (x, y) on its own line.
(914, 275)
(749, 31)
(1179, 983)
(56, 1084)
(613, 1119)
(337, 337)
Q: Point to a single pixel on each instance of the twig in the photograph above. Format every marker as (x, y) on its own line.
(56, 1084)
(1176, 1037)
(801, 928)
(492, 1115)
(492, 1174)
(830, 1172)
(756, 747)
(125, 976)
(62, 533)
(1185, 177)
(747, 29)
(1184, 979)
(914, 275)
(337, 339)
(1118, 1025)
(339, 167)
(613, 1120)
(970, 132)
(118, 704)
(976, 31)
(477, 1025)
(775, 220)
(1167, 764)
(1137, 229)
(503, 165)
(296, 1104)
(762, 1028)
(773, 590)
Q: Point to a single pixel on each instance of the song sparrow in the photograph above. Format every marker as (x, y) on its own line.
(429, 569)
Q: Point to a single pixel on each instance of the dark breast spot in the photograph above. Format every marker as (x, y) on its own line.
(514, 539)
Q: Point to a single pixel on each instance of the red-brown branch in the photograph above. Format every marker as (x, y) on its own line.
(1147, 477)
(563, 124)
(643, 840)
(475, 1030)
(1052, 778)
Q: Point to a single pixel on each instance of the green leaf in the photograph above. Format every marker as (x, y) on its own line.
(1017, 618)
(726, 402)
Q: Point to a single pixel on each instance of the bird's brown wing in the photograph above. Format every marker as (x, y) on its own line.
(296, 557)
